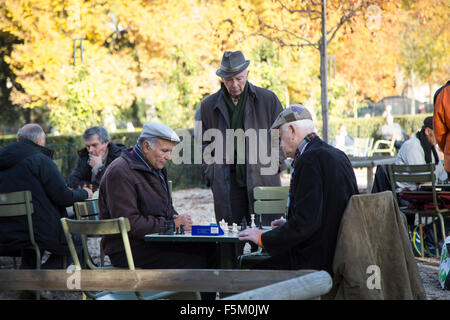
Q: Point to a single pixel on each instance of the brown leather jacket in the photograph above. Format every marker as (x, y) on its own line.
(129, 189)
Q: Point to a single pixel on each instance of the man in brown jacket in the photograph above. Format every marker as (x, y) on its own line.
(240, 105)
(135, 186)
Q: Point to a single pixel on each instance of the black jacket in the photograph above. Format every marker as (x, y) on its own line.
(82, 174)
(25, 165)
(323, 182)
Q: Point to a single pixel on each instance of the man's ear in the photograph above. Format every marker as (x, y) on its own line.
(145, 146)
(292, 129)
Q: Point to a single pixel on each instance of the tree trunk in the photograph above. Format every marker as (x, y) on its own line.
(323, 73)
(413, 93)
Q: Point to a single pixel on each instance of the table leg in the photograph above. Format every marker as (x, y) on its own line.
(369, 178)
(227, 255)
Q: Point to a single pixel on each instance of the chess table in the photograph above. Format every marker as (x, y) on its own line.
(226, 245)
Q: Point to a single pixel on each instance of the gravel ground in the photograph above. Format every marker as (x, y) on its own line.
(198, 203)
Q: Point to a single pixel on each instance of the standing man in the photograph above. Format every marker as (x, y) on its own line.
(94, 159)
(441, 122)
(238, 105)
(322, 182)
(27, 165)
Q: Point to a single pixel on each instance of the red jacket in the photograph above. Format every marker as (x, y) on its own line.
(441, 122)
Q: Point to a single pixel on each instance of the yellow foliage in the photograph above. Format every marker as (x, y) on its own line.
(166, 52)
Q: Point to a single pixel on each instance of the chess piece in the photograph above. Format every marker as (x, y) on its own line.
(168, 228)
(243, 224)
(235, 229)
(226, 228)
(181, 228)
(253, 225)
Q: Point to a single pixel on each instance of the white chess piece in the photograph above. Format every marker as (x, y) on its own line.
(253, 225)
(224, 226)
(235, 228)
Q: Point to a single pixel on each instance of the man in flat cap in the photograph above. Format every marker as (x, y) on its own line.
(238, 105)
(322, 182)
(135, 186)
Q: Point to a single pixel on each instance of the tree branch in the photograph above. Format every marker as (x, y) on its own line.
(306, 42)
(308, 11)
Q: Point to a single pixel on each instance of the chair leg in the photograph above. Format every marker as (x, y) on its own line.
(441, 219)
(422, 249)
(436, 245)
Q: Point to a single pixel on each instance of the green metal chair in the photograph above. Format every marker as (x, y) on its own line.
(268, 200)
(420, 174)
(16, 204)
(109, 227)
(383, 147)
(88, 210)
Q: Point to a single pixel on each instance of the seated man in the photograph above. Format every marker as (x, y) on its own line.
(322, 182)
(421, 149)
(344, 141)
(27, 165)
(392, 131)
(135, 186)
(94, 159)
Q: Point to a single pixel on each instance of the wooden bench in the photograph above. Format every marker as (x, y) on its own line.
(182, 280)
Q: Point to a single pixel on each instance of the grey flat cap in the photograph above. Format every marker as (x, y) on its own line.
(291, 114)
(159, 130)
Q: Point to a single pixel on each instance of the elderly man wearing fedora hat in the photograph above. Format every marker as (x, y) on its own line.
(322, 182)
(135, 186)
(238, 105)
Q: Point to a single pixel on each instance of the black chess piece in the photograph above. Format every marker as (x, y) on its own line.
(178, 230)
(181, 228)
(169, 228)
(243, 224)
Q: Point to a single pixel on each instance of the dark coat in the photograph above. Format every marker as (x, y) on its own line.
(82, 174)
(25, 165)
(129, 189)
(261, 110)
(323, 182)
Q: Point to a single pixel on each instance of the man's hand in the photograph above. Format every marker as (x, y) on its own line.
(94, 160)
(277, 223)
(89, 191)
(251, 234)
(184, 219)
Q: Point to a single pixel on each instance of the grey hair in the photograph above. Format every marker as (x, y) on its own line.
(31, 131)
(304, 125)
(151, 141)
(103, 135)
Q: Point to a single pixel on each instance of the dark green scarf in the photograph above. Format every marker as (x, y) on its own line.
(236, 113)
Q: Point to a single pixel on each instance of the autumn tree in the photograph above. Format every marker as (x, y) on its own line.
(44, 66)
(301, 24)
